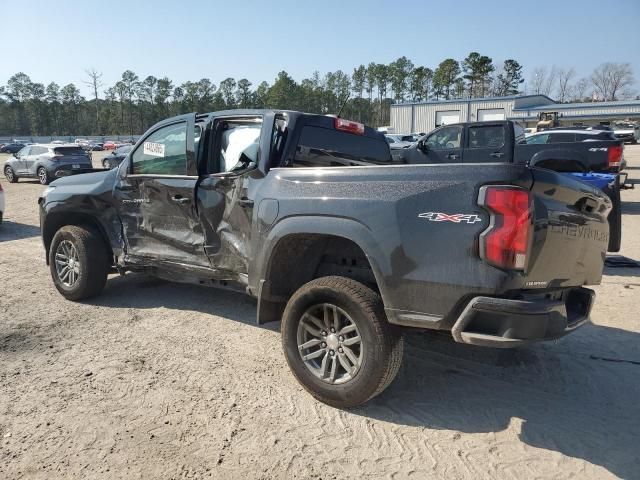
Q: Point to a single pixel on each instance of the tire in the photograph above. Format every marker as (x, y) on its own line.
(615, 217)
(92, 265)
(105, 164)
(43, 176)
(10, 175)
(379, 351)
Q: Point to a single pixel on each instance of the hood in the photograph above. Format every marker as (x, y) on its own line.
(84, 178)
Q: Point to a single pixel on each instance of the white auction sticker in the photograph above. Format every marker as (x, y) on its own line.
(154, 149)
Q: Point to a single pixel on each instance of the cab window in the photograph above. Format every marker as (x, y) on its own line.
(490, 136)
(164, 152)
(445, 138)
(238, 145)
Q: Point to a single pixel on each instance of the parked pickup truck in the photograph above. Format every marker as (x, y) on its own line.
(309, 215)
(561, 150)
(505, 141)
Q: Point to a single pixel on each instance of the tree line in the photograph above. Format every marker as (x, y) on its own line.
(134, 103)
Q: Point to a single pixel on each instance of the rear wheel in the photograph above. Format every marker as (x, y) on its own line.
(78, 262)
(10, 175)
(43, 176)
(338, 342)
(105, 163)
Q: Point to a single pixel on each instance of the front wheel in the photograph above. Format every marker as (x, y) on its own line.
(43, 176)
(78, 262)
(338, 342)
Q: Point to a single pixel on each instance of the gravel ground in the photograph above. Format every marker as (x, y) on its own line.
(161, 380)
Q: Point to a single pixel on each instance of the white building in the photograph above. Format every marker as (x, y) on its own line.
(423, 117)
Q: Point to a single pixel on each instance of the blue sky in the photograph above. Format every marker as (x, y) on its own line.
(188, 40)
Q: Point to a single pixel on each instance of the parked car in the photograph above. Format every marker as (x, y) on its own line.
(562, 150)
(96, 146)
(568, 135)
(627, 132)
(395, 141)
(496, 254)
(46, 162)
(109, 145)
(116, 156)
(1, 203)
(12, 147)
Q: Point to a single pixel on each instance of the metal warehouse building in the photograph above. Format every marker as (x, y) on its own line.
(425, 116)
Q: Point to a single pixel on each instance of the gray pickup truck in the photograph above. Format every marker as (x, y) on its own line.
(309, 215)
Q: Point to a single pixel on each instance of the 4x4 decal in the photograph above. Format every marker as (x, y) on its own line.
(453, 217)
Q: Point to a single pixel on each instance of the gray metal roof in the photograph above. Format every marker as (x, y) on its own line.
(566, 106)
(484, 99)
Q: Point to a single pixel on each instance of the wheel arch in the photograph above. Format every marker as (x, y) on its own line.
(297, 250)
(55, 221)
(560, 160)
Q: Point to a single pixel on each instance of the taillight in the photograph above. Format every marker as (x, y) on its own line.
(349, 126)
(614, 156)
(57, 157)
(505, 243)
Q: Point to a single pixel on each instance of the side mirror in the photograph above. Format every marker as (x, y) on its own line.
(15, 154)
(423, 146)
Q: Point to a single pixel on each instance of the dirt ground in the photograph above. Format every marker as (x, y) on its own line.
(161, 380)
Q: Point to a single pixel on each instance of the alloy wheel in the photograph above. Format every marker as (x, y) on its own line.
(67, 263)
(42, 176)
(329, 343)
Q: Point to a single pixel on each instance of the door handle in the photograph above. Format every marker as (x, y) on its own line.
(452, 156)
(126, 188)
(180, 199)
(496, 154)
(245, 203)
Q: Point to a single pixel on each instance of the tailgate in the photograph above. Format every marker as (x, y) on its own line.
(571, 232)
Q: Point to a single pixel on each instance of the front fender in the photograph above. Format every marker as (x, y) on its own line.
(54, 215)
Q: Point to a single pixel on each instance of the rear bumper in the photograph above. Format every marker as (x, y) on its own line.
(506, 323)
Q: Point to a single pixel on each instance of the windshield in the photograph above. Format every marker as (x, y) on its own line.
(69, 151)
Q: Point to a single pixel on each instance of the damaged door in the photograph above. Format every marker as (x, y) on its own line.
(156, 196)
(226, 192)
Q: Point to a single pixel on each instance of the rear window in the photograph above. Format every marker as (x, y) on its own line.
(324, 147)
(69, 151)
(537, 139)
